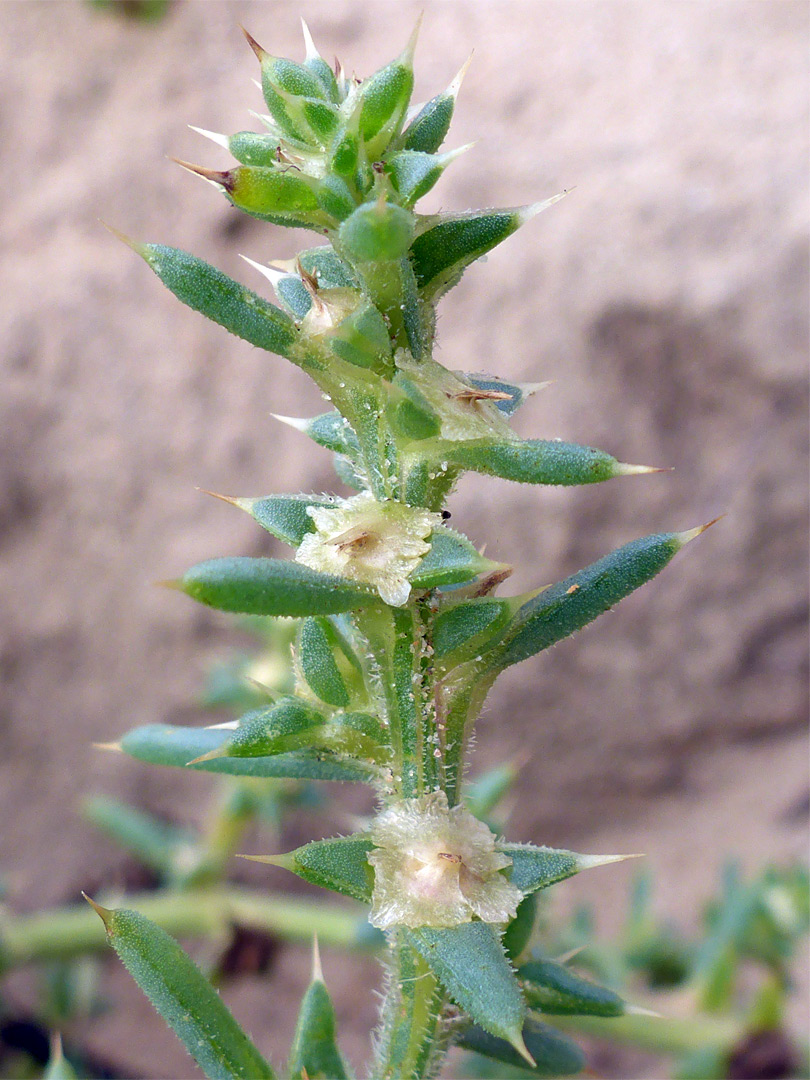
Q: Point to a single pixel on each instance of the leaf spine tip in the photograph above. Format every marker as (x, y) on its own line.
(569, 954)
(455, 85)
(623, 469)
(284, 861)
(317, 970)
(214, 136)
(526, 213)
(272, 274)
(296, 422)
(216, 495)
(522, 1049)
(588, 862)
(311, 52)
(639, 1010)
(210, 756)
(407, 54)
(684, 538)
(113, 747)
(170, 583)
(103, 913)
(213, 176)
(139, 248)
(253, 43)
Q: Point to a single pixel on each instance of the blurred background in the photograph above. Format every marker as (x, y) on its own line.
(666, 299)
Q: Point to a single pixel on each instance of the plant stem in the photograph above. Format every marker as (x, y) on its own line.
(409, 1045)
(669, 1035)
(64, 933)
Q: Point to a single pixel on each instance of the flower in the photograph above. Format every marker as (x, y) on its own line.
(436, 866)
(378, 543)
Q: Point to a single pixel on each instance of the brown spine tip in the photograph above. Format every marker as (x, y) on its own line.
(170, 583)
(103, 913)
(253, 43)
(230, 499)
(210, 756)
(213, 176)
(284, 861)
(139, 248)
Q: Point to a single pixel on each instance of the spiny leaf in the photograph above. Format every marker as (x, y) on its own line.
(537, 461)
(452, 559)
(428, 129)
(285, 516)
(271, 587)
(448, 243)
(318, 663)
(555, 989)
(221, 299)
(164, 744)
(469, 961)
(315, 1054)
(340, 864)
(183, 997)
(562, 609)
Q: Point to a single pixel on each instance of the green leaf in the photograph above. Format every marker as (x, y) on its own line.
(251, 148)
(518, 933)
(452, 559)
(271, 587)
(473, 624)
(164, 744)
(384, 99)
(428, 129)
(331, 431)
(183, 997)
(316, 656)
(448, 243)
(221, 299)
(285, 516)
(562, 609)
(284, 197)
(553, 1053)
(377, 232)
(534, 461)
(469, 961)
(288, 725)
(315, 1054)
(536, 868)
(414, 173)
(554, 989)
(340, 864)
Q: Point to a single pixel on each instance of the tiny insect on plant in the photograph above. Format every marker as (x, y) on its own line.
(401, 630)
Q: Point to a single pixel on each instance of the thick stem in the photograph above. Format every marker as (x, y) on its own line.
(410, 1041)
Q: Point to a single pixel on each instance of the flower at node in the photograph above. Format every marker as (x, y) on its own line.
(378, 543)
(434, 866)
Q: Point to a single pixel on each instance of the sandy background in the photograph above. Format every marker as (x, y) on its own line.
(666, 298)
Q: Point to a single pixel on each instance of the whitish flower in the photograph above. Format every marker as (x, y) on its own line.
(436, 866)
(379, 543)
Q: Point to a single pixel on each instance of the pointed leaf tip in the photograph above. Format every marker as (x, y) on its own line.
(136, 247)
(285, 861)
(588, 862)
(523, 1050)
(103, 913)
(212, 755)
(213, 176)
(317, 970)
(622, 468)
(214, 136)
(270, 272)
(684, 538)
(115, 747)
(253, 43)
(410, 48)
(455, 85)
(170, 583)
(526, 213)
(639, 1010)
(296, 422)
(309, 44)
(230, 499)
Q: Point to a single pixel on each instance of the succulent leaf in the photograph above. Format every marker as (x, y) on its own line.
(315, 1054)
(552, 1053)
(554, 989)
(183, 997)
